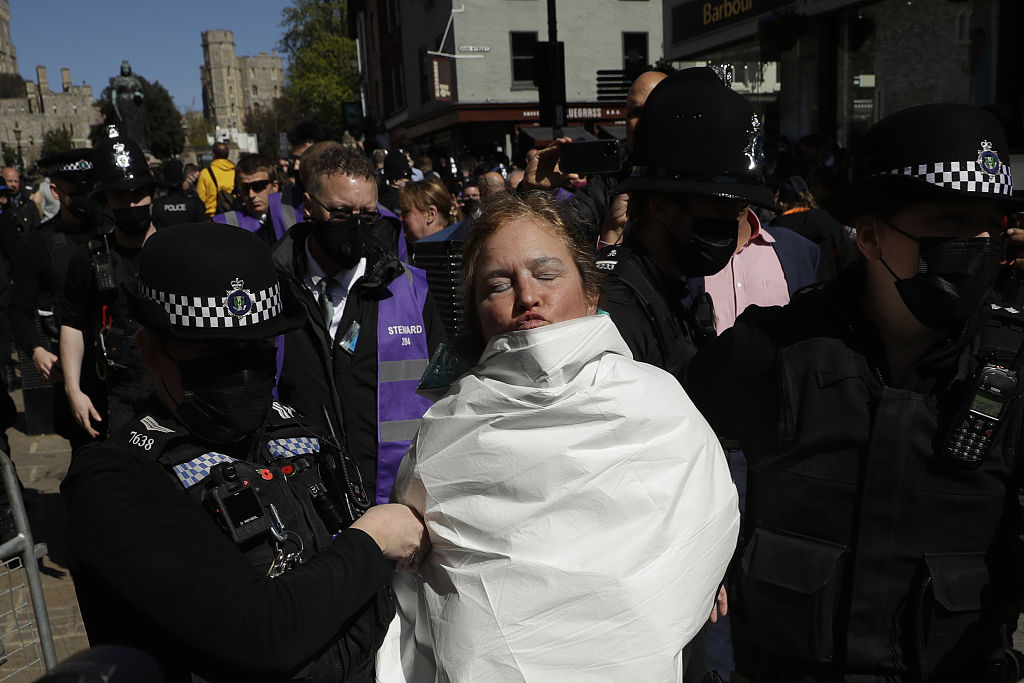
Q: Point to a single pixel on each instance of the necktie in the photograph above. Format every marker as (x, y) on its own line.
(326, 305)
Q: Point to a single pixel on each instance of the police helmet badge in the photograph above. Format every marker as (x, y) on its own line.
(988, 160)
(239, 300)
(121, 156)
(755, 145)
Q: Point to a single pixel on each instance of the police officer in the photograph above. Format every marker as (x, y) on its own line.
(214, 531)
(881, 416)
(697, 167)
(97, 338)
(41, 270)
(178, 204)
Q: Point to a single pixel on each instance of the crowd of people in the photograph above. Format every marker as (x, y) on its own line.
(732, 412)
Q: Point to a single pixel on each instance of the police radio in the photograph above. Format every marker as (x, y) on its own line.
(103, 265)
(971, 437)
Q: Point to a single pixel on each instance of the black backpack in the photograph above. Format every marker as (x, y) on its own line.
(226, 199)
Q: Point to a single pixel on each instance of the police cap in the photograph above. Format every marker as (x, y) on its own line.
(928, 153)
(74, 165)
(212, 282)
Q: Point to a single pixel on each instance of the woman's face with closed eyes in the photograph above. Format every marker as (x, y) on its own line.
(525, 277)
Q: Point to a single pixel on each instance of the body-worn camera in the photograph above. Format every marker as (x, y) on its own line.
(235, 503)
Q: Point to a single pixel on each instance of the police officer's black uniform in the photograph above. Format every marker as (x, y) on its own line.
(217, 557)
(695, 136)
(177, 205)
(871, 552)
(94, 300)
(41, 270)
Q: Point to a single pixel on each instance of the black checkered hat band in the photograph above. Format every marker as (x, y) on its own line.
(80, 165)
(212, 312)
(962, 176)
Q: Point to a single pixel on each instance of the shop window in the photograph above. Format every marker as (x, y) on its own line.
(634, 53)
(522, 43)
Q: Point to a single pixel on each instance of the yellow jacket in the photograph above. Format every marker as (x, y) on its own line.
(224, 170)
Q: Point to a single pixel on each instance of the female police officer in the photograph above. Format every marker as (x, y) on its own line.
(881, 418)
(202, 532)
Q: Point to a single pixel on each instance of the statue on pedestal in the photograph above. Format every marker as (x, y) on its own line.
(130, 106)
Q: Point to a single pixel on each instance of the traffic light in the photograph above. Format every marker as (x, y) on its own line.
(549, 77)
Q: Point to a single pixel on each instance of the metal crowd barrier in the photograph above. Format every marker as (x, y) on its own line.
(25, 637)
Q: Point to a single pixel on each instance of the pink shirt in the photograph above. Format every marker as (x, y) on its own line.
(753, 277)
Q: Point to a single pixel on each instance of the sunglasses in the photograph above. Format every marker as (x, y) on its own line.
(256, 186)
(343, 213)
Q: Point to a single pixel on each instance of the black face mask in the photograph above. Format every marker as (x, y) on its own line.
(227, 396)
(954, 277)
(82, 206)
(712, 243)
(133, 220)
(344, 242)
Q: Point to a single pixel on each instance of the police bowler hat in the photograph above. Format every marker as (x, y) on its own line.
(119, 164)
(396, 166)
(696, 135)
(211, 282)
(928, 153)
(74, 165)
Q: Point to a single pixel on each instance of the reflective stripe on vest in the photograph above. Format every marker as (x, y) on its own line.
(402, 355)
(284, 215)
(239, 220)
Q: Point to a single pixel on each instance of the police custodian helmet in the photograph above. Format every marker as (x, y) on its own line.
(119, 164)
(212, 282)
(696, 135)
(931, 152)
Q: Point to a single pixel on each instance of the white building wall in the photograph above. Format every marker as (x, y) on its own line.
(591, 30)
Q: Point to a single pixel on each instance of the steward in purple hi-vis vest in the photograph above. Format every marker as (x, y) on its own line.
(271, 231)
(364, 376)
(286, 208)
(402, 357)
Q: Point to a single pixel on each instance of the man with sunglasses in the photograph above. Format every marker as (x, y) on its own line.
(354, 366)
(255, 181)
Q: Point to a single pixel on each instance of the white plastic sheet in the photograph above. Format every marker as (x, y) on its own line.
(581, 514)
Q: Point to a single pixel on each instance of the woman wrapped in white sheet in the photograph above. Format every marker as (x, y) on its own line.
(580, 508)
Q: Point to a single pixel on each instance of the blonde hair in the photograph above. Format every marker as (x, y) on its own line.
(430, 192)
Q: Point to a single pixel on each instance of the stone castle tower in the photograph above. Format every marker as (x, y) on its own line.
(8, 55)
(234, 86)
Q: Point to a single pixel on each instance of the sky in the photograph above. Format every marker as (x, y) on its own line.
(161, 38)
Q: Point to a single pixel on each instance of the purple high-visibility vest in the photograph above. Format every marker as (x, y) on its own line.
(402, 357)
(238, 219)
(403, 248)
(285, 214)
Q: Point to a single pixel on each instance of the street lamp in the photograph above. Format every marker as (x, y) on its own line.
(17, 137)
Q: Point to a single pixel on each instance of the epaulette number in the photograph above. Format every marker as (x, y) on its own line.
(141, 440)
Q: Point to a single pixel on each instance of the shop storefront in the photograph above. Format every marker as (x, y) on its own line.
(833, 67)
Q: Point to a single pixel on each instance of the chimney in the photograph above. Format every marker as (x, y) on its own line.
(44, 84)
(65, 77)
